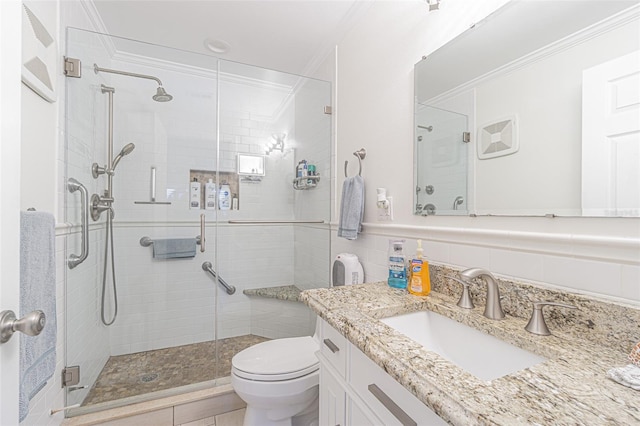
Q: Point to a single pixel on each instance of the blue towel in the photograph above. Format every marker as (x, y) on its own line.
(172, 248)
(351, 208)
(37, 291)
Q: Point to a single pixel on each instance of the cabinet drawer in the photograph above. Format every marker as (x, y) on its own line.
(388, 399)
(333, 346)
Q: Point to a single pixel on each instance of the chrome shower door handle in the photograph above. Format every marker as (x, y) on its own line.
(74, 259)
(203, 230)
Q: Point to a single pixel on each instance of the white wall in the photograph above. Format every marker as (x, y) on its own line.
(550, 137)
(37, 172)
(375, 108)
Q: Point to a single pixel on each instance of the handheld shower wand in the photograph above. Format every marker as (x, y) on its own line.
(126, 150)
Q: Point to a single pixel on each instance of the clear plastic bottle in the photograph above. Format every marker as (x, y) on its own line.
(397, 266)
(224, 197)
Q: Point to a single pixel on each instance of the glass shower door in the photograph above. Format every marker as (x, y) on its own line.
(146, 325)
(275, 242)
(441, 162)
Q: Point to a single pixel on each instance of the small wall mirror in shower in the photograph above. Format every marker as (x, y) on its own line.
(251, 165)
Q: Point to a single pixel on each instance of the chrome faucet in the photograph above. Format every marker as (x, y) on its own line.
(493, 308)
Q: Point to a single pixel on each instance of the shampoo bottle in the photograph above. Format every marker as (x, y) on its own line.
(224, 197)
(210, 195)
(194, 194)
(397, 267)
(420, 281)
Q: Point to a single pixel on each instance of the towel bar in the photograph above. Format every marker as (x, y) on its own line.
(146, 241)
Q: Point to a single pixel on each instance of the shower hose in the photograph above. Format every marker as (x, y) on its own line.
(109, 240)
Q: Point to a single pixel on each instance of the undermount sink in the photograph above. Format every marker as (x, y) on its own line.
(478, 353)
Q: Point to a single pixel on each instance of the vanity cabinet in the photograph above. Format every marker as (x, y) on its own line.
(356, 391)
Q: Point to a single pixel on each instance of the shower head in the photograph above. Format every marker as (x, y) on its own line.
(126, 150)
(161, 95)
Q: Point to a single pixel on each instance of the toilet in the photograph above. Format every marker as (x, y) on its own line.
(278, 379)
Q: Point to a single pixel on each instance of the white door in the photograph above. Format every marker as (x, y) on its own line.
(10, 86)
(611, 138)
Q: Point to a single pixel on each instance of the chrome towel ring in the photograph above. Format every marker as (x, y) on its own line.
(361, 153)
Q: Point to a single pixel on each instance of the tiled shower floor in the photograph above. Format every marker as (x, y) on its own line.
(139, 373)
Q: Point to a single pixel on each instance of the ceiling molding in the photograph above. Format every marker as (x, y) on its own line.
(582, 36)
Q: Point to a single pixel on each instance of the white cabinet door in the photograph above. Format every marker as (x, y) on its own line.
(10, 109)
(332, 400)
(359, 416)
(611, 138)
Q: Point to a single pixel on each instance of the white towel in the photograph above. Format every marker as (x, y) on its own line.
(37, 291)
(628, 376)
(351, 208)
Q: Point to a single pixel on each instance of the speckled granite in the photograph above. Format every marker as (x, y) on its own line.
(570, 388)
(285, 292)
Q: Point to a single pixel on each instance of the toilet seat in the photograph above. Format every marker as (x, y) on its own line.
(277, 360)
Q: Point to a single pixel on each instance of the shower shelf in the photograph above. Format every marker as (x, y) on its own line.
(285, 292)
(303, 182)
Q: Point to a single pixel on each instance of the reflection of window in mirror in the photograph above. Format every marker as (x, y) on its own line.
(251, 165)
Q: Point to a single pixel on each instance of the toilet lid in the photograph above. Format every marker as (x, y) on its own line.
(278, 359)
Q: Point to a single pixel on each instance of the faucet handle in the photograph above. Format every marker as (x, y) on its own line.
(537, 324)
(465, 299)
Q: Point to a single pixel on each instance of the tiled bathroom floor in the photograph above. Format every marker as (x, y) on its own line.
(139, 373)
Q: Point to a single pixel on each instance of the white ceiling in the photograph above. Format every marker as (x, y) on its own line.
(292, 36)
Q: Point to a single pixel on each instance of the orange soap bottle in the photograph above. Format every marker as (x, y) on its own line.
(420, 282)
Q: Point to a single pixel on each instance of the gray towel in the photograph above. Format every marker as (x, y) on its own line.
(351, 208)
(37, 291)
(174, 248)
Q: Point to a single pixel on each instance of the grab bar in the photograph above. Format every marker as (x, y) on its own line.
(263, 222)
(74, 259)
(203, 230)
(146, 241)
(207, 266)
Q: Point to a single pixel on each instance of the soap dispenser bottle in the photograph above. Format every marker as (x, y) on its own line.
(210, 195)
(397, 266)
(420, 281)
(224, 197)
(194, 195)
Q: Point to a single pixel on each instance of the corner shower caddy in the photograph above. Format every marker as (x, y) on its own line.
(306, 182)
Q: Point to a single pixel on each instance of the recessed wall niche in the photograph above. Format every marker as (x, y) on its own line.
(228, 178)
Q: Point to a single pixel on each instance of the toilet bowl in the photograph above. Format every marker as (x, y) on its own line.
(278, 380)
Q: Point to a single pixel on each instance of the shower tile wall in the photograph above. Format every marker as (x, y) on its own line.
(161, 296)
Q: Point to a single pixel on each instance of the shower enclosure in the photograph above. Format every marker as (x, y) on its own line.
(441, 161)
(140, 325)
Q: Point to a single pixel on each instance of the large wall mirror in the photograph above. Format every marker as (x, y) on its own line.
(533, 111)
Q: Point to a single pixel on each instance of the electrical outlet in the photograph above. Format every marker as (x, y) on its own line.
(386, 214)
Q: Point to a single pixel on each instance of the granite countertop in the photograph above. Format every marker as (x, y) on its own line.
(284, 292)
(569, 388)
